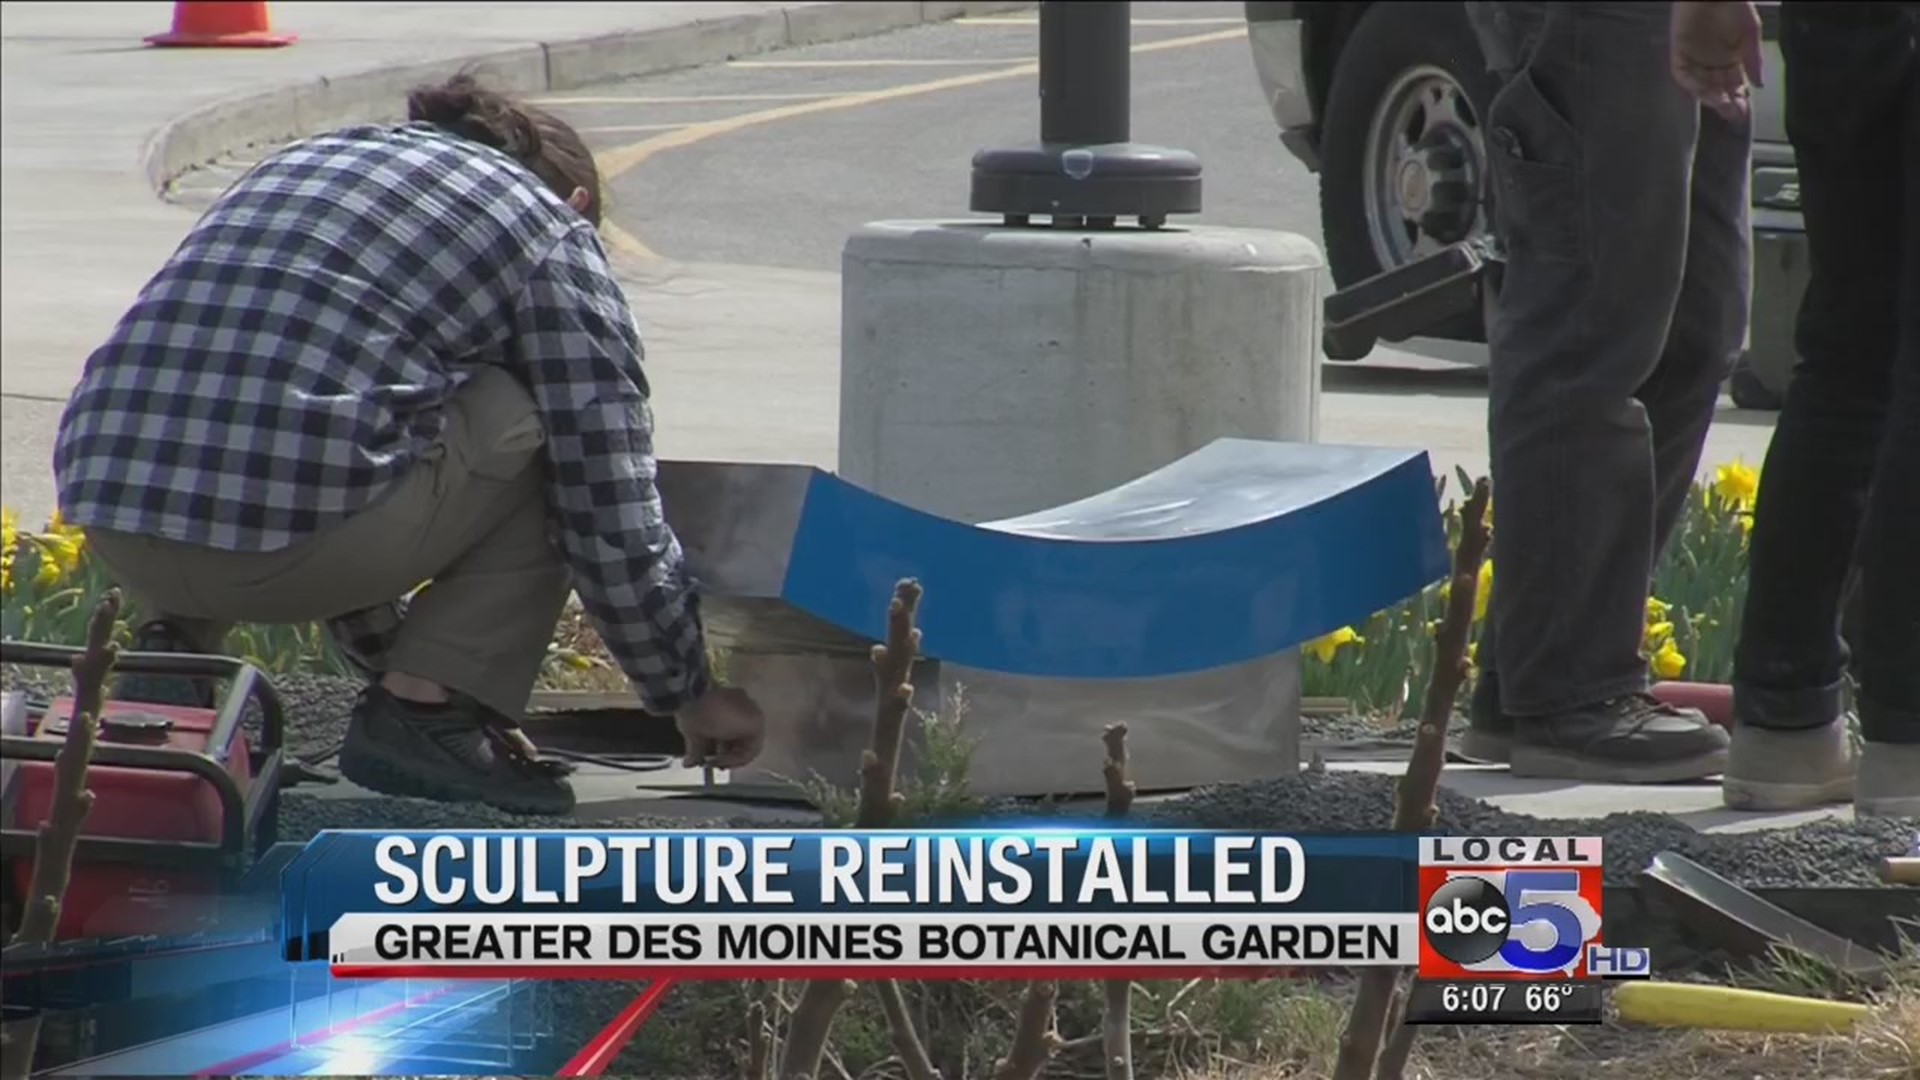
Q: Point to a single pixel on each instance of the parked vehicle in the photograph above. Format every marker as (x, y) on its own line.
(1383, 101)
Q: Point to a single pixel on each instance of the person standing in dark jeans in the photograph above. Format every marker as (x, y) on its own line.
(1841, 484)
(1622, 204)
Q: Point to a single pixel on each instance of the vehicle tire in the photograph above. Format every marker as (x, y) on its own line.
(1402, 160)
(1764, 370)
(1749, 390)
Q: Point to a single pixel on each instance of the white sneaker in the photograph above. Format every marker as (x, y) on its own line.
(1789, 770)
(1889, 783)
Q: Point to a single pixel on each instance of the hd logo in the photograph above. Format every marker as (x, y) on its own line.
(1510, 907)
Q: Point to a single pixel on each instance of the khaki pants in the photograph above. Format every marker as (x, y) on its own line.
(471, 516)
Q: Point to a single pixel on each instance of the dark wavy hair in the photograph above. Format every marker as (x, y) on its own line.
(542, 142)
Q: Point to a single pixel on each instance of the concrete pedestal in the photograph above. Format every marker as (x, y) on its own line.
(988, 372)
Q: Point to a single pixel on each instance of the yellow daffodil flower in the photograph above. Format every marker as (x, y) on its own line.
(1657, 609)
(1737, 484)
(59, 528)
(9, 541)
(46, 573)
(1325, 648)
(1658, 635)
(1483, 590)
(59, 551)
(1669, 662)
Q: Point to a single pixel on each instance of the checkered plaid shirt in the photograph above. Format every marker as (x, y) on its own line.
(292, 359)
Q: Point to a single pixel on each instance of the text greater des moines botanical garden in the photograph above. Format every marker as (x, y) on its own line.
(984, 903)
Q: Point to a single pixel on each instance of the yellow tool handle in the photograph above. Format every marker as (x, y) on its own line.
(1900, 871)
(1723, 1008)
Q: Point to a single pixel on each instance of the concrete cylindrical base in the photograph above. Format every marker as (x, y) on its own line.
(989, 372)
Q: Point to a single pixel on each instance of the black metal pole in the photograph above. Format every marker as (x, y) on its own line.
(1086, 172)
(1086, 92)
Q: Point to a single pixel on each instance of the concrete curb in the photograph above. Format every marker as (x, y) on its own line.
(379, 95)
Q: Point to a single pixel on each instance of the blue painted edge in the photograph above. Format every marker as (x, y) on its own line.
(1119, 609)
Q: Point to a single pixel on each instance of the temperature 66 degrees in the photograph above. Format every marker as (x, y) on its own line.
(1547, 997)
(1493, 1001)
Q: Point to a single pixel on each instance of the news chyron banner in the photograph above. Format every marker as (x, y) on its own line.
(953, 904)
(1499, 929)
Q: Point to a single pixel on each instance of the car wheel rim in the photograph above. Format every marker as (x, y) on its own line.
(1425, 169)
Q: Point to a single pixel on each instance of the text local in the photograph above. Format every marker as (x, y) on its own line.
(878, 870)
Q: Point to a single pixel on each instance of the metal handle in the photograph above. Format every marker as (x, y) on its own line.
(236, 817)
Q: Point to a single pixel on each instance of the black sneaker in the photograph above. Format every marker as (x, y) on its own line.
(160, 636)
(1631, 739)
(457, 752)
(1489, 736)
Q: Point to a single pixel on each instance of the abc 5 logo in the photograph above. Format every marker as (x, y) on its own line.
(1507, 923)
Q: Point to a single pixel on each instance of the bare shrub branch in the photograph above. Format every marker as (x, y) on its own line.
(59, 834)
(1034, 1039)
(892, 673)
(1413, 812)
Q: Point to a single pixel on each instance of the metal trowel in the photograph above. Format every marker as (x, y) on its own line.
(1742, 922)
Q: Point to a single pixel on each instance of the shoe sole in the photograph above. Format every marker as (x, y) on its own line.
(1541, 763)
(381, 774)
(1893, 806)
(1768, 795)
(1484, 748)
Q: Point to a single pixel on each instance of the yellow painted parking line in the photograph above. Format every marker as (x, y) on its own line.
(690, 99)
(1034, 20)
(618, 129)
(625, 243)
(983, 62)
(623, 159)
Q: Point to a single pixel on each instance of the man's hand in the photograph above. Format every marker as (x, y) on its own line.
(1715, 53)
(725, 729)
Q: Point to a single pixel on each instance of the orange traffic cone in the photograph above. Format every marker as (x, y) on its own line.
(220, 24)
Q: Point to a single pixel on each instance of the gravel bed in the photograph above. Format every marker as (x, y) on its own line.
(317, 706)
(1355, 729)
(1828, 852)
(302, 816)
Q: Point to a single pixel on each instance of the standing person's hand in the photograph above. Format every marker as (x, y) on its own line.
(725, 729)
(1715, 53)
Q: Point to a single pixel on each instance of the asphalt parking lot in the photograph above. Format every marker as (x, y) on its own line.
(770, 162)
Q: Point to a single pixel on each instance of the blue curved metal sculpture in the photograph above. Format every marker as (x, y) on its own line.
(1240, 550)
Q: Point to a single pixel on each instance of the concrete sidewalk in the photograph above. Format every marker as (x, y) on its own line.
(93, 123)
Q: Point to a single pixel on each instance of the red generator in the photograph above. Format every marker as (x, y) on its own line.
(183, 802)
